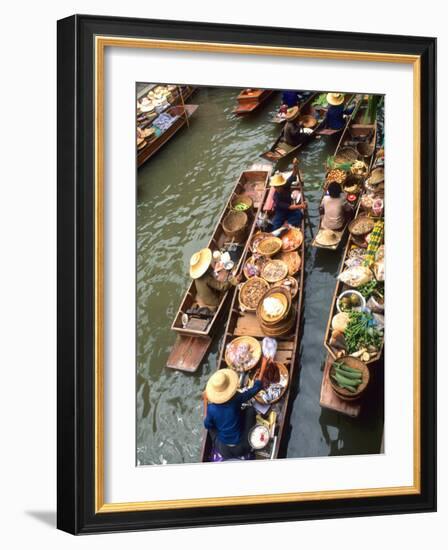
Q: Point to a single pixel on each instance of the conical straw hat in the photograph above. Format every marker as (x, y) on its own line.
(335, 99)
(200, 262)
(222, 386)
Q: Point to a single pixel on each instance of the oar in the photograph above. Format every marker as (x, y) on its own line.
(204, 399)
(183, 105)
(306, 212)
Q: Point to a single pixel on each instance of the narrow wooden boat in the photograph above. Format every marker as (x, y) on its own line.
(179, 95)
(281, 150)
(195, 336)
(245, 323)
(278, 119)
(250, 99)
(354, 134)
(340, 287)
(184, 112)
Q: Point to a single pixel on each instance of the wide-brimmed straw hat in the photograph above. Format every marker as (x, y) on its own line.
(277, 180)
(200, 262)
(327, 237)
(146, 105)
(222, 386)
(292, 113)
(335, 99)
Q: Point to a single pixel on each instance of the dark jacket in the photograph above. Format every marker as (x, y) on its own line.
(292, 134)
(225, 418)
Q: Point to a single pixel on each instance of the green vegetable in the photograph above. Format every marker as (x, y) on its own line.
(361, 332)
(346, 381)
(349, 388)
(346, 368)
(348, 374)
(321, 101)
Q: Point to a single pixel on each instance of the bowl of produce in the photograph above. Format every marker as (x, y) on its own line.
(361, 225)
(253, 266)
(274, 306)
(274, 271)
(363, 336)
(275, 382)
(242, 203)
(291, 239)
(350, 300)
(251, 292)
(336, 175)
(292, 259)
(269, 246)
(349, 377)
(243, 353)
(289, 283)
(359, 168)
(256, 240)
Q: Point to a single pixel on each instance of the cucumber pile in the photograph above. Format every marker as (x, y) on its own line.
(346, 377)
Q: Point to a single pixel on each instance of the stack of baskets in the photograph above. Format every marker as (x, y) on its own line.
(275, 313)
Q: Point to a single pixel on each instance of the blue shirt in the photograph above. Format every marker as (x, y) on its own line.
(335, 117)
(226, 417)
(290, 98)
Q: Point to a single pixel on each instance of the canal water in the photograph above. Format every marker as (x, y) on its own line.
(181, 192)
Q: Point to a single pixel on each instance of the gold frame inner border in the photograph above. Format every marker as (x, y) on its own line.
(101, 42)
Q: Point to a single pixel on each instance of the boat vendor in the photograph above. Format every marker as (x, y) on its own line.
(208, 288)
(286, 210)
(290, 98)
(334, 119)
(335, 210)
(227, 422)
(292, 132)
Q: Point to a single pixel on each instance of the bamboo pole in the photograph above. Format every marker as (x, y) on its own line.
(183, 105)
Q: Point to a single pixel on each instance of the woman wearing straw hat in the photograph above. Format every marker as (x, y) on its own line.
(334, 119)
(209, 290)
(227, 423)
(292, 132)
(286, 210)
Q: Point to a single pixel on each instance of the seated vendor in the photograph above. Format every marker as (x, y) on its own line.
(208, 288)
(286, 211)
(335, 210)
(292, 131)
(227, 423)
(334, 119)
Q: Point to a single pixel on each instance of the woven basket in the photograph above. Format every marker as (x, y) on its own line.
(355, 364)
(365, 149)
(242, 199)
(346, 154)
(235, 225)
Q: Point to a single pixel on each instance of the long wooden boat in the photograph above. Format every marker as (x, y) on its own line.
(245, 323)
(184, 112)
(179, 94)
(340, 287)
(250, 99)
(354, 134)
(194, 337)
(280, 150)
(278, 119)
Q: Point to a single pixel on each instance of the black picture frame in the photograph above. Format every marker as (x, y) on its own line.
(76, 396)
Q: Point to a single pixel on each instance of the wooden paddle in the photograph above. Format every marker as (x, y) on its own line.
(295, 170)
(204, 399)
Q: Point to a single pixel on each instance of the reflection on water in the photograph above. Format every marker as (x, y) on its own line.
(181, 192)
